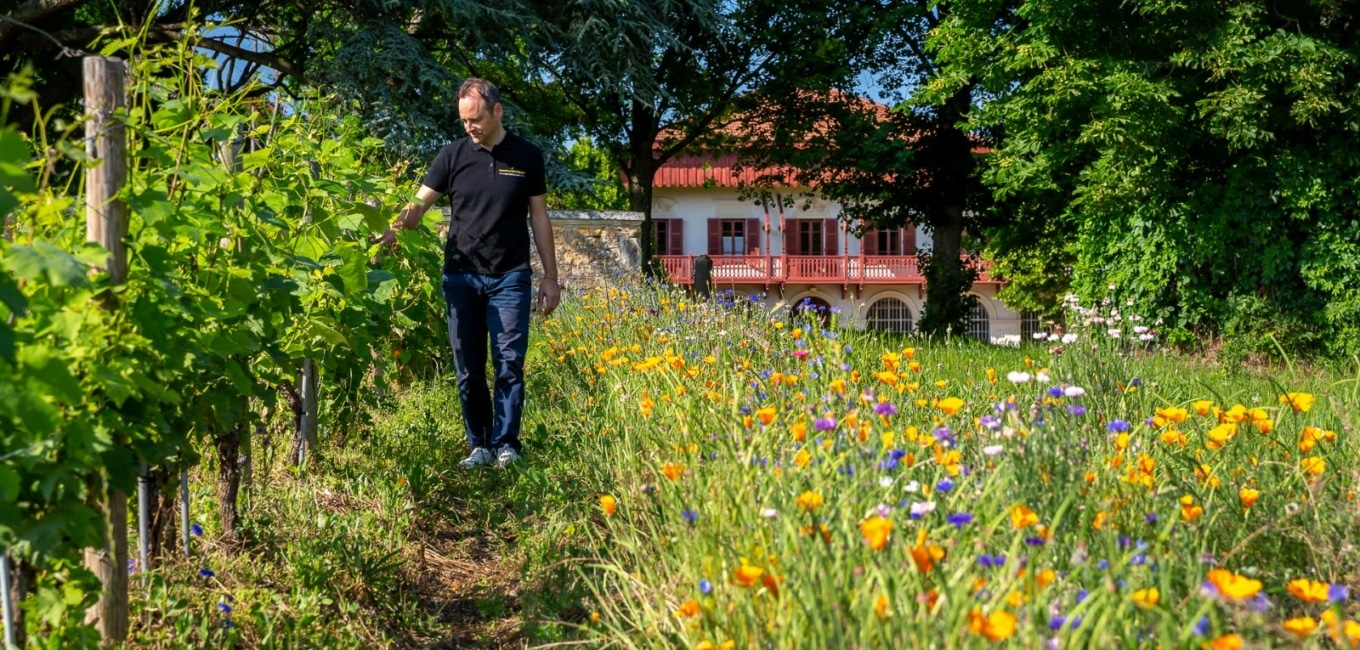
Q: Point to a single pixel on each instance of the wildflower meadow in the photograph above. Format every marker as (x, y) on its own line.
(766, 482)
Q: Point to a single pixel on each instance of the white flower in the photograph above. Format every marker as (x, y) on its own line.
(1114, 332)
(1074, 391)
(1146, 337)
(1018, 377)
(769, 513)
(1008, 432)
(1052, 338)
(1069, 338)
(922, 509)
(1041, 376)
(1098, 320)
(1039, 336)
(1111, 287)
(885, 481)
(883, 510)
(992, 450)
(1139, 329)
(1135, 318)
(224, 242)
(914, 486)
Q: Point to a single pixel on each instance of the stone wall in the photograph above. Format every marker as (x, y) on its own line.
(594, 248)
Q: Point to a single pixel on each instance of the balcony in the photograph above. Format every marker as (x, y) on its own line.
(844, 270)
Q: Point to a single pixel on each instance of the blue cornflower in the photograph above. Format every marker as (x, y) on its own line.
(885, 408)
(1103, 564)
(1034, 541)
(1338, 593)
(206, 573)
(989, 421)
(197, 530)
(944, 485)
(1150, 517)
(690, 516)
(224, 608)
(1118, 426)
(1202, 626)
(824, 424)
(960, 519)
(1076, 409)
(1082, 594)
(705, 587)
(1055, 391)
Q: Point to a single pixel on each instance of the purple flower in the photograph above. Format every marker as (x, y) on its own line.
(943, 434)
(705, 587)
(1034, 541)
(1338, 593)
(1076, 409)
(690, 516)
(1057, 622)
(960, 519)
(824, 424)
(1055, 391)
(1118, 426)
(944, 485)
(1082, 594)
(990, 421)
(197, 530)
(206, 573)
(224, 608)
(1259, 603)
(1150, 517)
(885, 408)
(1202, 626)
(1103, 564)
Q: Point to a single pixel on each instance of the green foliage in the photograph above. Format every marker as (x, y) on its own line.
(603, 188)
(1183, 156)
(236, 274)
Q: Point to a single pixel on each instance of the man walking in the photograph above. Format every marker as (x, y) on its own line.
(492, 178)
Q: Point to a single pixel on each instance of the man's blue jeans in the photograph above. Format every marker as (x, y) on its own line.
(495, 306)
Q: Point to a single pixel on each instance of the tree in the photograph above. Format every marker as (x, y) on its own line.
(1181, 159)
(603, 189)
(651, 77)
(914, 164)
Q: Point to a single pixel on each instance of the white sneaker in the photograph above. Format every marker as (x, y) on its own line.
(480, 456)
(505, 456)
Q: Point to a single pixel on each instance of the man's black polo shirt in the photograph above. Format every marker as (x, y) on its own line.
(489, 192)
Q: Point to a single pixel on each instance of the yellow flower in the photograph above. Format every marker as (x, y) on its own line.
(1226, 642)
(765, 415)
(888, 377)
(924, 556)
(1189, 511)
(1314, 465)
(1202, 407)
(1301, 627)
(1022, 517)
(746, 575)
(881, 605)
(1309, 591)
(594, 617)
(802, 458)
(809, 501)
(688, 610)
(608, 503)
(876, 531)
(950, 405)
(1233, 586)
(1300, 402)
(1248, 496)
(799, 431)
(1147, 598)
(673, 471)
(997, 626)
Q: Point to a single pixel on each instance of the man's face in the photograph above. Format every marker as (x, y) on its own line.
(482, 123)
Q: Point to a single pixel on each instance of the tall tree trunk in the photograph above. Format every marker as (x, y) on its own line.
(948, 279)
(163, 511)
(22, 579)
(641, 170)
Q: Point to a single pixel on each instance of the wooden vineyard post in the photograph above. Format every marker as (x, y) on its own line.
(106, 220)
(7, 602)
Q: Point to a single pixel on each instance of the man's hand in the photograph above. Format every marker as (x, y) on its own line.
(389, 237)
(549, 295)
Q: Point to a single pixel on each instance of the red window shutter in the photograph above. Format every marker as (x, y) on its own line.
(909, 240)
(791, 237)
(869, 244)
(752, 236)
(715, 237)
(676, 245)
(830, 236)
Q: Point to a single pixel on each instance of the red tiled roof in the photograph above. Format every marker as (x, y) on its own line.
(707, 171)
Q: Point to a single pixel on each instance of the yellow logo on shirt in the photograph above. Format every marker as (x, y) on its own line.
(510, 171)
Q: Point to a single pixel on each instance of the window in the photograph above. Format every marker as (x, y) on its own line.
(890, 315)
(889, 241)
(978, 325)
(661, 236)
(1029, 325)
(733, 237)
(810, 237)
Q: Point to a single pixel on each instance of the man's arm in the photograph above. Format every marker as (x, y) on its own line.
(411, 214)
(549, 293)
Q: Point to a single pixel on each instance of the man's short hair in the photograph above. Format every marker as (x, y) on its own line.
(474, 87)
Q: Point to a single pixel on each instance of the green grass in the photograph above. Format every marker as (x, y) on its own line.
(385, 543)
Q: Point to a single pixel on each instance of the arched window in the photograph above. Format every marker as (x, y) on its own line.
(979, 327)
(1029, 325)
(890, 315)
